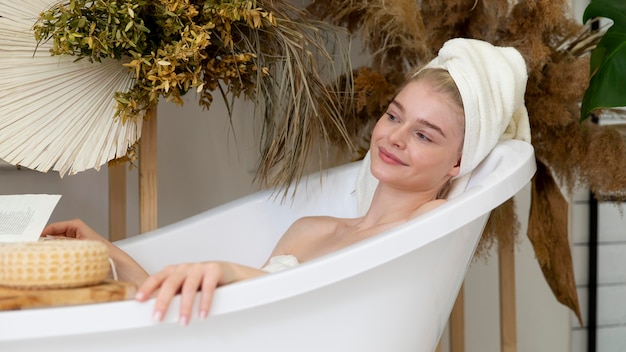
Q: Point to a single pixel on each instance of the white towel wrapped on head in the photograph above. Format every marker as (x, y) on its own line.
(492, 83)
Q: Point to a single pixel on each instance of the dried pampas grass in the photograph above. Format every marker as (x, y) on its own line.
(392, 31)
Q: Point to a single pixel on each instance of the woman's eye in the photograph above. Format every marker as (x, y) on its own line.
(423, 136)
(391, 117)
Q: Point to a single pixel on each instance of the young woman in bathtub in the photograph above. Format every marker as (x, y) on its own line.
(417, 148)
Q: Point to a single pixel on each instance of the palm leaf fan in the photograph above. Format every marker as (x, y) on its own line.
(56, 113)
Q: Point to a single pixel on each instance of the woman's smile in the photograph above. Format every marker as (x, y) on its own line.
(389, 158)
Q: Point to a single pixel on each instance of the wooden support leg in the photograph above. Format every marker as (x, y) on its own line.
(148, 173)
(457, 324)
(508, 325)
(117, 202)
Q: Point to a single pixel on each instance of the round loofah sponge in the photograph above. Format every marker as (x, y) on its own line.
(53, 264)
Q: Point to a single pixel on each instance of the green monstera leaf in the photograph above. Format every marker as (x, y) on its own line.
(607, 84)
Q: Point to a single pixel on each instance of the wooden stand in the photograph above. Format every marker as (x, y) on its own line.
(148, 173)
(117, 202)
(508, 326)
(148, 210)
(457, 323)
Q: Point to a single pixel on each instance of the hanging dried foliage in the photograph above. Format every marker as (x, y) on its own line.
(548, 234)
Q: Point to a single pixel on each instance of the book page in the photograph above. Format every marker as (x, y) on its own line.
(23, 216)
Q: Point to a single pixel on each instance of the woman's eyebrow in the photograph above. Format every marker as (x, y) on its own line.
(432, 126)
(419, 120)
(397, 104)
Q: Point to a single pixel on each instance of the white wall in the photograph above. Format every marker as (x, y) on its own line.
(201, 165)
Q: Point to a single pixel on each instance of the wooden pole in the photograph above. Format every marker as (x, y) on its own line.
(508, 325)
(148, 173)
(457, 323)
(439, 348)
(117, 202)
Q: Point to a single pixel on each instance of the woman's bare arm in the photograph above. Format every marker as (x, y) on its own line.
(127, 268)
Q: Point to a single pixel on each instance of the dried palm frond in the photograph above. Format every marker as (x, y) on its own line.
(55, 113)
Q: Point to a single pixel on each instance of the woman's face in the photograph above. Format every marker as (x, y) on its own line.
(416, 145)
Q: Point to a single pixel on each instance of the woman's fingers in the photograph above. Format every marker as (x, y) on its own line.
(72, 229)
(209, 282)
(192, 281)
(186, 279)
(56, 229)
(168, 282)
(151, 285)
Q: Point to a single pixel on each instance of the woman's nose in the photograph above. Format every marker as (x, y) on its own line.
(397, 137)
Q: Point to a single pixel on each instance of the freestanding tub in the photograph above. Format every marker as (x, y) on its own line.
(393, 292)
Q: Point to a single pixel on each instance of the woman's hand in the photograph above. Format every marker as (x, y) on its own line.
(77, 229)
(72, 229)
(127, 268)
(188, 279)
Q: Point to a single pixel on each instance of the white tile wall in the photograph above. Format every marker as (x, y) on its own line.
(612, 339)
(611, 294)
(579, 238)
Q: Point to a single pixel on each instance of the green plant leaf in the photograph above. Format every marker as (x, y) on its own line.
(613, 9)
(607, 83)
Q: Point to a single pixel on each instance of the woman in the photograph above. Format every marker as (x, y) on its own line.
(416, 150)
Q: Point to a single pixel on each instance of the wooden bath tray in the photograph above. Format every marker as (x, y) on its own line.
(108, 291)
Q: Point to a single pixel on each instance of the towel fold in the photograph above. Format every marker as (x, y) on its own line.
(492, 83)
(280, 263)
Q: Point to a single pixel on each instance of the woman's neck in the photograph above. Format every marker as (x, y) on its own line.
(390, 205)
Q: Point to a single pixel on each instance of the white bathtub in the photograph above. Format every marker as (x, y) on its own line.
(393, 292)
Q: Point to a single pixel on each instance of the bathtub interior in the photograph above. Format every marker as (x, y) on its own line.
(246, 230)
(321, 295)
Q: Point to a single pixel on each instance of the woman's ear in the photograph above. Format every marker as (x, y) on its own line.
(456, 168)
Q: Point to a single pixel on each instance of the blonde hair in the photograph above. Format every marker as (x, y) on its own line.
(441, 81)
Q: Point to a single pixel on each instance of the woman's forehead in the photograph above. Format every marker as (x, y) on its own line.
(421, 96)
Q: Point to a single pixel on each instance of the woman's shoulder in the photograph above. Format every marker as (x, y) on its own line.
(317, 219)
(313, 225)
(307, 229)
(428, 206)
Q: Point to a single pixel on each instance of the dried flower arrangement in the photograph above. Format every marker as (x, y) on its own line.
(267, 51)
(401, 34)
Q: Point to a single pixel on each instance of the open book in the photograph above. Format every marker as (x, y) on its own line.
(23, 216)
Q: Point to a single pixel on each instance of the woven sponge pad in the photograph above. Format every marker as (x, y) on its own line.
(53, 264)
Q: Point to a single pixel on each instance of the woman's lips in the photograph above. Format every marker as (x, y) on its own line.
(389, 158)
